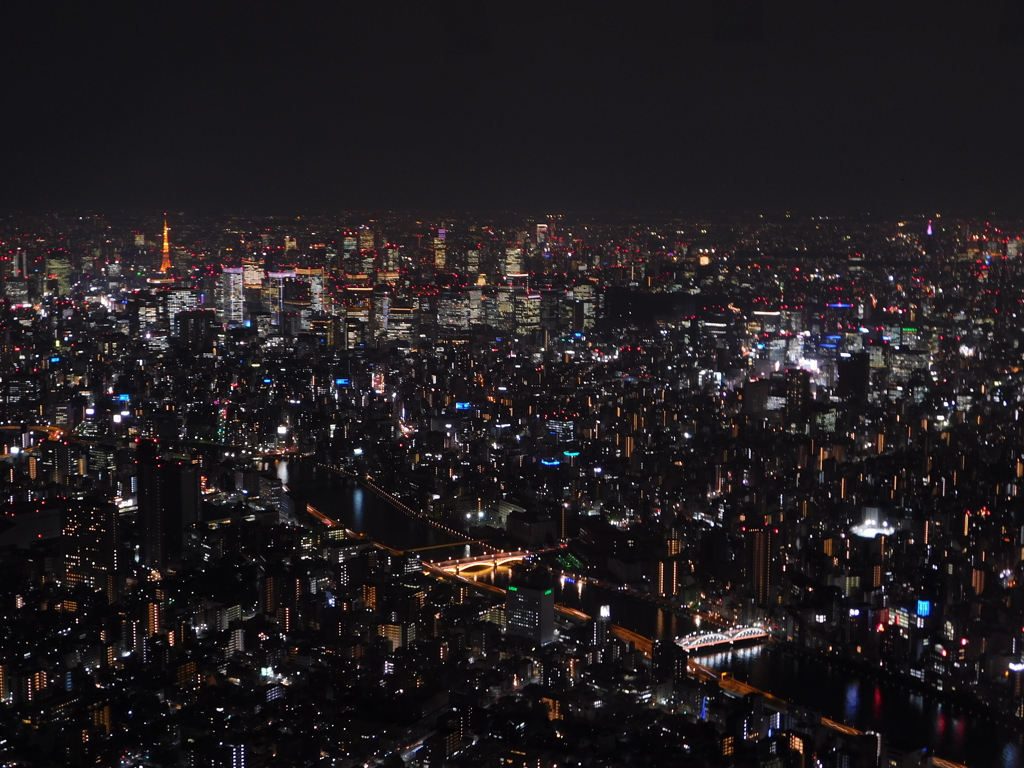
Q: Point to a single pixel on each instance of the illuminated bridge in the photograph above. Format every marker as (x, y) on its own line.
(729, 636)
(482, 562)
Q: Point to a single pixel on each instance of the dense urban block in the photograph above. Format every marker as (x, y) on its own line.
(469, 490)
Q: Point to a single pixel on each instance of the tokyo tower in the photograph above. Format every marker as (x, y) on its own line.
(165, 262)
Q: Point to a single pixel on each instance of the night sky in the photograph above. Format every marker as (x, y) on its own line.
(733, 106)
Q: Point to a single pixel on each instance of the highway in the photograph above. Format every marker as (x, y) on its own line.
(52, 433)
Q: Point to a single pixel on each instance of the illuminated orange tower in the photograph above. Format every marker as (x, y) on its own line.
(165, 262)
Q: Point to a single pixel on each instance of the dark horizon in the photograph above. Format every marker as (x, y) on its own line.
(748, 107)
(599, 216)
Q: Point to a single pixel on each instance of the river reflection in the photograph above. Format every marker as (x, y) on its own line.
(358, 523)
(362, 511)
(905, 716)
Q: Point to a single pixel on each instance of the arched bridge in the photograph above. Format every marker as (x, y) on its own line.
(729, 636)
(482, 561)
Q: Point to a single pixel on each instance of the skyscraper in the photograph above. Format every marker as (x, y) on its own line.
(195, 329)
(177, 299)
(601, 627)
(761, 543)
(854, 377)
(513, 264)
(798, 396)
(232, 295)
(440, 249)
(314, 278)
(169, 502)
(89, 545)
(530, 612)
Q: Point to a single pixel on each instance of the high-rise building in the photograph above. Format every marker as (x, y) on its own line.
(169, 503)
(854, 377)
(562, 428)
(669, 576)
(761, 561)
(798, 396)
(89, 545)
(58, 270)
(453, 310)
(527, 312)
(530, 612)
(586, 300)
(668, 661)
(274, 293)
(601, 627)
(252, 271)
(366, 239)
(232, 295)
(176, 300)
(18, 291)
(314, 278)
(440, 249)
(513, 264)
(399, 633)
(195, 329)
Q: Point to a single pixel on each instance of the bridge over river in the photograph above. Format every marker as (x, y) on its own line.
(708, 640)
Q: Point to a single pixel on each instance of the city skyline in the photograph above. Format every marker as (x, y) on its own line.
(511, 490)
(512, 385)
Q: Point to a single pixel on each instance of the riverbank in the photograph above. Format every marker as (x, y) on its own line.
(955, 698)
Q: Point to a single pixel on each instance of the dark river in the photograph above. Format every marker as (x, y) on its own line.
(838, 693)
(875, 705)
(361, 510)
